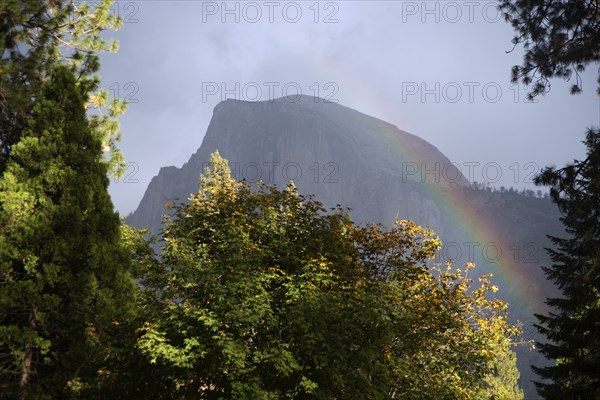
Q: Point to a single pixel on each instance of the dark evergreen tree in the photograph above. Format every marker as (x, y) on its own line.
(560, 37)
(65, 276)
(573, 325)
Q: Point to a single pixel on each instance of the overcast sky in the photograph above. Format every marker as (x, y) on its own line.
(439, 70)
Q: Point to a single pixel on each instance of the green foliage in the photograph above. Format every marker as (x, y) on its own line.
(65, 276)
(126, 373)
(573, 326)
(501, 383)
(560, 37)
(35, 36)
(262, 295)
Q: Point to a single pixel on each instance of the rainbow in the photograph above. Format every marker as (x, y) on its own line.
(510, 272)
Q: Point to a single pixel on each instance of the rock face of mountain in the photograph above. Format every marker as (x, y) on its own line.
(336, 153)
(380, 172)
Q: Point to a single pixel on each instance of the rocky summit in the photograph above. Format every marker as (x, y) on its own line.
(336, 153)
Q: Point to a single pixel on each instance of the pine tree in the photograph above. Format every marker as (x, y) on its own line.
(65, 275)
(560, 39)
(573, 325)
(35, 36)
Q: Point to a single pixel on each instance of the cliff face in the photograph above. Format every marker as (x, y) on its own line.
(380, 172)
(338, 154)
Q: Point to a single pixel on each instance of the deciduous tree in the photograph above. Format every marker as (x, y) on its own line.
(264, 295)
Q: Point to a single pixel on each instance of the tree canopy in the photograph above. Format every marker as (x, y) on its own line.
(262, 294)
